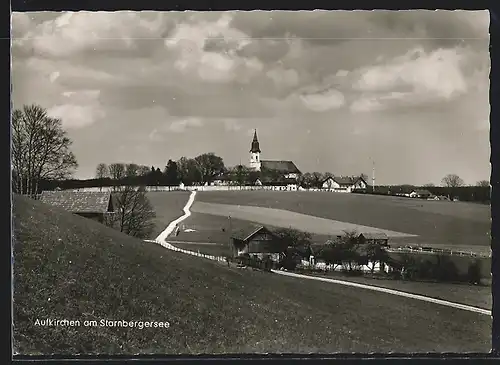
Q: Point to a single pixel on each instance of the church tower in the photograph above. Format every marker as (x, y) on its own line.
(255, 153)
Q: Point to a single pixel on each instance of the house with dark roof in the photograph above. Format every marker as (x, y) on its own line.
(257, 241)
(93, 205)
(379, 238)
(344, 183)
(274, 169)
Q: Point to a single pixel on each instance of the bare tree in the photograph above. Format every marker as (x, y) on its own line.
(483, 183)
(40, 149)
(429, 185)
(101, 171)
(134, 213)
(452, 181)
(117, 171)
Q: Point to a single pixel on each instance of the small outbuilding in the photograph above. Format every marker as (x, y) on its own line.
(93, 205)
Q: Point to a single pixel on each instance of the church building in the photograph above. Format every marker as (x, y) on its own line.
(286, 168)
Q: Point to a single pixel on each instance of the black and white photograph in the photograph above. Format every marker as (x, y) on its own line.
(251, 182)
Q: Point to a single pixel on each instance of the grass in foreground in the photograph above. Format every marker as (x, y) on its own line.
(68, 267)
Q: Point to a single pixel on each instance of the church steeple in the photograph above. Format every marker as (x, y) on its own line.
(255, 153)
(255, 143)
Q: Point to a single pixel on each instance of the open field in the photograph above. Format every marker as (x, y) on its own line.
(434, 222)
(286, 218)
(167, 206)
(68, 267)
(217, 228)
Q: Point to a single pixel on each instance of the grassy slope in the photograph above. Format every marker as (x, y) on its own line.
(89, 271)
(447, 223)
(167, 206)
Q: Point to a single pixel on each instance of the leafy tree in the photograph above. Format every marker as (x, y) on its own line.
(101, 171)
(253, 176)
(317, 180)
(349, 245)
(452, 181)
(296, 245)
(143, 170)
(188, 171)
(209, 166)
(131, 170)
(134, 213)
(40, 149)
(375, 254)
(240, 174)
(306, 180)
(171, 173)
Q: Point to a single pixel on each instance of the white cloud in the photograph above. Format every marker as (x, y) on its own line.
(76, 116)
(73, 32)
(231, 125)
(368, 103)
(54, 76)
(434, 74)
(324, 100)
(189, 39)
(283, 77)
(180, 126)
(79, 109)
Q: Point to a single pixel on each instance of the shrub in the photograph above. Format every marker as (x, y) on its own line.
(474, 273)
(445, 269)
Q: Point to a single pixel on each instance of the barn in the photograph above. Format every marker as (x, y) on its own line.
(257, 241)
(379, 238)
(93, 205)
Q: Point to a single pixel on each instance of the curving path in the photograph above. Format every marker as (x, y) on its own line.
(161, 240)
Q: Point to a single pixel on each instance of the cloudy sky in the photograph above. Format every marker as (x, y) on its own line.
(328, 90)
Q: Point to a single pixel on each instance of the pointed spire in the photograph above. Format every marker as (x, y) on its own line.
(255, 143)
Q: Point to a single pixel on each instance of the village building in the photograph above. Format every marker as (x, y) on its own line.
(378, 238)
(344, 183)
(257, 241)
(284, 169)
(421, 194)
(93, 205)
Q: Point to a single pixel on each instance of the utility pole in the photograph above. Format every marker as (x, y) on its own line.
(230, 232)
(373, 176)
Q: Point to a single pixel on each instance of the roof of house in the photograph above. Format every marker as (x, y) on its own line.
(248, 232)
(345, 180)
(374, 235)
(422, 192)
(281, 166)
(223, 177)
(79, 201)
